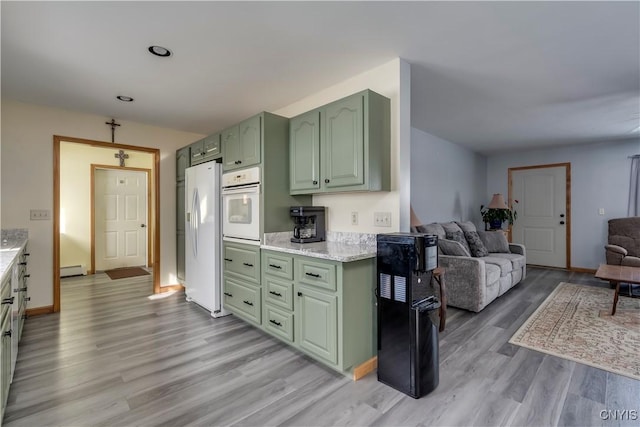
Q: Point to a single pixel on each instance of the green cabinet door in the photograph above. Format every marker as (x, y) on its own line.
(317, 323)
(343, 143)
(304, 155)
(180, 230)
(182, 162)
(197, 152)
(230, 148)
(211, 147)
(249, 142)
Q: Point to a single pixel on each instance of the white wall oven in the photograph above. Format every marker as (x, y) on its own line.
(241, 205)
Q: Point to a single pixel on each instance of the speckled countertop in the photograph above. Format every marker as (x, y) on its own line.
(13, 241)
(343, 247)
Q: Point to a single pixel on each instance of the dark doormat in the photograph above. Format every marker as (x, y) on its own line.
(124, 272)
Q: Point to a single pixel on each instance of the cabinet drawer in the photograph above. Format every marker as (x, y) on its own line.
(315, 273)
(242, 299)
(278, 265)
(243, 261)
(278, 322)
(278, 293)
(212, 146)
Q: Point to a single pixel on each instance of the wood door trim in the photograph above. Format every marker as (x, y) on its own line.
(57, 139)
(567, 167)
(93, 209)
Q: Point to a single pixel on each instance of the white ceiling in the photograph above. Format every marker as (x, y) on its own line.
(486, 75)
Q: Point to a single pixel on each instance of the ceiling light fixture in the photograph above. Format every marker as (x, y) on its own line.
(124, 98)
(160, 51)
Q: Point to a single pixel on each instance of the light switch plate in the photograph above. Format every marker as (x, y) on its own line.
(382, 219)
(40, 214)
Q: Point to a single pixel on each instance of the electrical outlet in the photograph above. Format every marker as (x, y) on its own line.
(382, 219)
(40, 214)
(601, 211)
(354, 218)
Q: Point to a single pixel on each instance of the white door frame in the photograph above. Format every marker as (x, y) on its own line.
(567, 167)
(93, 210)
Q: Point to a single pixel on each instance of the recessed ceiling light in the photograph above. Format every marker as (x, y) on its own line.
(124, 98)
(160, 51)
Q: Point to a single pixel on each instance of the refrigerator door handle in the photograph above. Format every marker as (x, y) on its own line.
(195, 209)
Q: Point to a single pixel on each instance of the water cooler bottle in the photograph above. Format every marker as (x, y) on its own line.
(407, 312)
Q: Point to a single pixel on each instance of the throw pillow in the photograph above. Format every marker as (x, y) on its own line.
(450, 247)
(475, 244)
(467, 226)
(433, 228)
(450, 227)
(495, 241)
(458, 236)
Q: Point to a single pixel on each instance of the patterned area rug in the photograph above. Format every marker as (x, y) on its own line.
(575, 323)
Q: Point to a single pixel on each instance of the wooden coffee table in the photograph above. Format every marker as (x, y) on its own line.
(616, 274)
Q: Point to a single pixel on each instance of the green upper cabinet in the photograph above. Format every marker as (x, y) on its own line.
(230, 148)
(206, 149)
(354, 146)
(343, 143)
(241, 144)
(304, 158)
(212, 148)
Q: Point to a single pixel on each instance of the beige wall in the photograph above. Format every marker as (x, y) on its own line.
(27, 179)
(390, 80)
(75, 196)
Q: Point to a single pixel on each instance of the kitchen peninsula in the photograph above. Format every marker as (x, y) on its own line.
(317, 297)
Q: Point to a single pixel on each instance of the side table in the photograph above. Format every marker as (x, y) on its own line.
(438, 276)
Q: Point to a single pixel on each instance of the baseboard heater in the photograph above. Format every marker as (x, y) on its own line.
(73, 270)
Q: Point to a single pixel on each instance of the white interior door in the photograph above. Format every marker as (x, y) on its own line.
(120, 218)
(542, 218)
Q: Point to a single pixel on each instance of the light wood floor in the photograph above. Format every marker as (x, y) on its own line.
(114, 357)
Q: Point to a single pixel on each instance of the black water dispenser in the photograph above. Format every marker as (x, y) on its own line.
(407, 313)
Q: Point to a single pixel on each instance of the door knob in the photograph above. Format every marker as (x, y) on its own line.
(142, 225)
(561, 222)
(561, 215)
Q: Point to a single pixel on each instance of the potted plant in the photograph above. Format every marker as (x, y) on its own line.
(498, 213)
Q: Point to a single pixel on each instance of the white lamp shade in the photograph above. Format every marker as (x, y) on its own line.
(497, 202)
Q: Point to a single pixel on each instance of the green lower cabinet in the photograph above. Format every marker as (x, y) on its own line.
(317, 326)
(242, 299)
(323, 308)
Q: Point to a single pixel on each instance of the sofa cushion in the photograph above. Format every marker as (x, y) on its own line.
(492, 273)
(494, 241)
(451, 247)
(476, 246)
(433, 228)
(466, 226)
(517, 260)
(504, 264)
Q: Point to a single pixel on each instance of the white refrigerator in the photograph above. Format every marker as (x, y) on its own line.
(203, 242)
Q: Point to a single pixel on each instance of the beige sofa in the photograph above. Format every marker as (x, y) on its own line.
(472, 282)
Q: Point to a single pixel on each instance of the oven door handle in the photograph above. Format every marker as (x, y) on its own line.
(249, 189)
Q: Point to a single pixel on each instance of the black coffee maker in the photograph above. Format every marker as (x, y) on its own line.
(310, 223)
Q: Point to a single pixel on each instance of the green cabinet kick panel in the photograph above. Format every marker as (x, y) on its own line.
(342, 146)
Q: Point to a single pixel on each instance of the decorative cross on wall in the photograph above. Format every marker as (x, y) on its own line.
(113, 125)
(120, 155)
